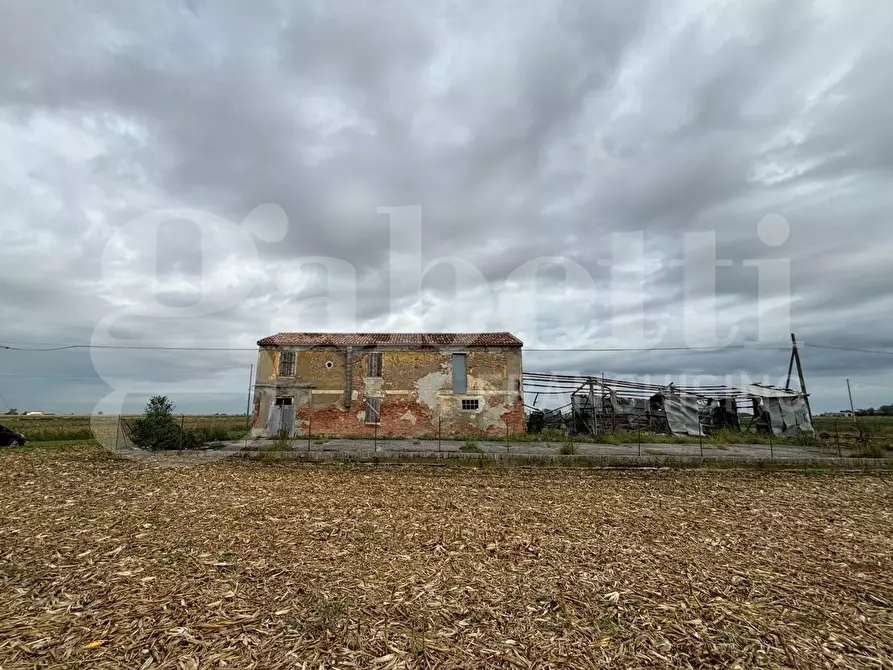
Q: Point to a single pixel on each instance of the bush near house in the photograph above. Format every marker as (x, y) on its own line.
(157, 429)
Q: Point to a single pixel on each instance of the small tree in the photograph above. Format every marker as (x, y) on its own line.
(156, 429)
(12, 411)
(159, 408)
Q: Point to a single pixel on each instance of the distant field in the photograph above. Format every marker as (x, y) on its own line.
(877, 426)
(50, 428)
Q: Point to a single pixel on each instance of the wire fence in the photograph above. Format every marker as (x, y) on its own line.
(636, 439)
(834, 437)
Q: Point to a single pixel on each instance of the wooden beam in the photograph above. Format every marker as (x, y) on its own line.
(796, 354)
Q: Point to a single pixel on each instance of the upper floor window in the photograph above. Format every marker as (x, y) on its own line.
(460, 373)
(373, 365)
(287, 364)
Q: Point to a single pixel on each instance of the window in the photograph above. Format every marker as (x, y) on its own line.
(373, 365)
(373, 410)
(470, 403)
(284, 402)
(287, 364)
(460, 374)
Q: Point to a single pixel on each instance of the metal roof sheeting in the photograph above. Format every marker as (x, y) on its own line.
(545, 383)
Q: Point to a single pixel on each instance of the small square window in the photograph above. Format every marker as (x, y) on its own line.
(470, 403)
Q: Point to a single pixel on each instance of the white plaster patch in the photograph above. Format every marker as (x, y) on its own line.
(408, 416)
(428, 387)
(373, 387)
(490, 416)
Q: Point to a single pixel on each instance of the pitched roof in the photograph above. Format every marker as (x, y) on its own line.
(391, 339)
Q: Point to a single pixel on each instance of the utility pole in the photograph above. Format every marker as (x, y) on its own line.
(787, 383)
(248, 405)
(852, 409)
(795, 356)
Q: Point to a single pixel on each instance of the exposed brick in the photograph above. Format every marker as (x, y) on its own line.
(415, 391)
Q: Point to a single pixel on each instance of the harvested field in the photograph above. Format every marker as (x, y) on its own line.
(117, 563)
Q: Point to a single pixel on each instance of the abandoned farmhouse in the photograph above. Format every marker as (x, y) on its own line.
(399, 384)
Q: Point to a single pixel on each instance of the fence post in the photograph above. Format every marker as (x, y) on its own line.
(837, 438)
(310, 427)
(701, 438)
(506, 435)
(439, 424)
(181, 433)
(639, 440)
(117, 431)
(771, 447)
(375, 437)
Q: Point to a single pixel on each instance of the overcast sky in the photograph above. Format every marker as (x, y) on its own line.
(168, 169)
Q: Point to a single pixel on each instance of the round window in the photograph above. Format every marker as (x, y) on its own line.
(330, 364)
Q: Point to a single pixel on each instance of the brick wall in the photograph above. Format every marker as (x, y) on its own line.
(415, 391)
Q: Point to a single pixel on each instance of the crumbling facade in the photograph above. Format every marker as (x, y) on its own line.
(400, 384)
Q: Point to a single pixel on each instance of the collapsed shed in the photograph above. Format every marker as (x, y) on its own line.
(599, 405)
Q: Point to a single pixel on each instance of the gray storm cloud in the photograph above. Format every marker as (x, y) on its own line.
(521, 131)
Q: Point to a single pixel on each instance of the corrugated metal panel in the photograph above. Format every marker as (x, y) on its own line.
(682, 414)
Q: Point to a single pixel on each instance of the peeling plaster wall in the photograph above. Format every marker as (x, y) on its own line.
(415, 391)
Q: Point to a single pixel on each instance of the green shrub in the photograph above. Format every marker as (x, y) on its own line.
(282, 441)
(157, 429)
(470, 446)
(568, 448)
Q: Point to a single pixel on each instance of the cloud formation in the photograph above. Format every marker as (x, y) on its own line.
(571, 131)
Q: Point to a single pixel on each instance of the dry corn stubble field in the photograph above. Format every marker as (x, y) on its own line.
(116, 563)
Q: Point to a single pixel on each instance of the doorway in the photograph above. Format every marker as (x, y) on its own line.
(282, 416)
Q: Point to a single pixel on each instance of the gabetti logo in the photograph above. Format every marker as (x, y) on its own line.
(629, 269)
(131, 260)
(229, 251)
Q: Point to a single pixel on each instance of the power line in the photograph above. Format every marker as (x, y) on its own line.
(136, 373)
(864, 351)
(612, 349)
(52, 346)
(880, 386)
(124, 346)
(66, 347)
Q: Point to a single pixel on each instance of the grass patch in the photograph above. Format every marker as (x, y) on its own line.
(470, 446)
(568, 448)
(870, 451)
(56, 434)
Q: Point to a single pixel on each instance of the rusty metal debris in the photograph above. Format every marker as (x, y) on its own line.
(598, 405)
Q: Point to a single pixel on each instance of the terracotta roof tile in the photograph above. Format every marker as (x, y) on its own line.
(391, 339)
